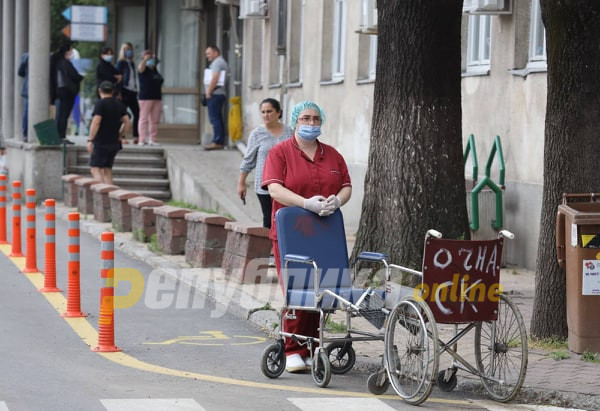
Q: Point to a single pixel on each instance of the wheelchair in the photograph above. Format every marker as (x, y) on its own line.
(460, 286)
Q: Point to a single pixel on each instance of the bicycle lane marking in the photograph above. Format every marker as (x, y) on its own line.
(89, 336)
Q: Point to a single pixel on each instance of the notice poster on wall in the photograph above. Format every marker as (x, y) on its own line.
(591, 277)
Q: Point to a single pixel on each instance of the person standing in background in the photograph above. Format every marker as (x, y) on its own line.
(66, 81)
(105, 71)
(129, 84)
(214, 84)
(150, 98)
(109, 124)
(24, 72)
(261, 139)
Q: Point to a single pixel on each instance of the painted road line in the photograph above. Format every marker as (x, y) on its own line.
(346, 404)
(163, 404)
(89, 335)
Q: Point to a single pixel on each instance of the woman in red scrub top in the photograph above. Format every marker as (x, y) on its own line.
(304, 172)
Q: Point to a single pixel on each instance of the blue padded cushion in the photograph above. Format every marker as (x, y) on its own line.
(323, 239)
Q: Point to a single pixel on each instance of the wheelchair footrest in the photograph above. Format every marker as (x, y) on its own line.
(371, 308)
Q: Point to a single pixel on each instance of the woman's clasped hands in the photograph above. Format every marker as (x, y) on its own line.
(322, 206)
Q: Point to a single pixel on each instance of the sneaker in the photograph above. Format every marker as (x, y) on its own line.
(295, 363)
(214, 146)
(141, 143)
(308, 362)
(67, 141)
(154, 144)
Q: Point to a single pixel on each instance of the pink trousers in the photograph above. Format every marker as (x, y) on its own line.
(149, 118)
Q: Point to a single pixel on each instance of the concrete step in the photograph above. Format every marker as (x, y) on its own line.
(129, 172)
(141, 183)
(128, 161)
(162, 195)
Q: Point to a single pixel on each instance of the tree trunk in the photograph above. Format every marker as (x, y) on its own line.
(571, 146)
(415, 177)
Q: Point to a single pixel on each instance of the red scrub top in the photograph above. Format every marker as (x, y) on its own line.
(287, 165)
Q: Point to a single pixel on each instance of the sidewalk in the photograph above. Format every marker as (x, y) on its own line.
(570, 382)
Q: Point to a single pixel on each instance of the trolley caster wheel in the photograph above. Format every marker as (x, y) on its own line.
(446, 385)
(321, 369)
(377, 387)
(272, 363)
(342, 357)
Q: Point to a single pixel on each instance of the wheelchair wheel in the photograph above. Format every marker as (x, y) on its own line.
(444, 385)
(501, 352)
(272, 363)
(321, 369)
(342, 357)
(411, 355)
(378, 383)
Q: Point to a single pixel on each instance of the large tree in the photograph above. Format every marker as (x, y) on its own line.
(571, 145)
(415, 177)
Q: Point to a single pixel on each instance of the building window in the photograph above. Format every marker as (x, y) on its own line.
(479, 42)
(339, 40)
(256, 52)
(537, 38)
(295, 43)
(367, 58)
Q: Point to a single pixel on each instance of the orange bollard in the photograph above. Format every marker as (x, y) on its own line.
(106, 323)
(16, 220)
(30, 246)
(73, 290)
(50, 249)
(3, 209)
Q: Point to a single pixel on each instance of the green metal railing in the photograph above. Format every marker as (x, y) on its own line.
(486, 181)
(470, 149)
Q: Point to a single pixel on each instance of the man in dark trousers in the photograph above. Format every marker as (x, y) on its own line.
(109, 124)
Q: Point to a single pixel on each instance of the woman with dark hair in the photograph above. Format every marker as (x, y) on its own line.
(105, 71)
(261, 139)
(64, 87)
(129, 84)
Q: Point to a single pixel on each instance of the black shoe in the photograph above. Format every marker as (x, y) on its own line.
(67, 141)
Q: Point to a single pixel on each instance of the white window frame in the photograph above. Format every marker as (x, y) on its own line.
(339, 40)
(372, 57)
(537, 40)
(479, 36)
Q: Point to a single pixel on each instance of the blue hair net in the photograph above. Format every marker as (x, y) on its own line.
(300, 107)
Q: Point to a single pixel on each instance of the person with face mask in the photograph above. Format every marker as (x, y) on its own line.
(129, 84)
(106, 71)
(64, 87)
(304, 172)
(150, 97)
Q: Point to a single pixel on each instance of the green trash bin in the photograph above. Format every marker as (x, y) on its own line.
(47, 133)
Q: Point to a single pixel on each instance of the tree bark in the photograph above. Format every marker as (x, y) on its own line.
(571, 145)
(415, 177)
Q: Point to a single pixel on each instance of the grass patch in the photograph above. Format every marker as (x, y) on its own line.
(139, 234)
(590, 357)
(548, 344)
(559, 355)
(335, 327)
(153, 245)
(183, 204)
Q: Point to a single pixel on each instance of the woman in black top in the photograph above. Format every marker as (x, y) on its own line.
(129, 84)
(65, 85)
(105, 71)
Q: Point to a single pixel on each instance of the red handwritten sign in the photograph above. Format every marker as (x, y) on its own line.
(461, 279)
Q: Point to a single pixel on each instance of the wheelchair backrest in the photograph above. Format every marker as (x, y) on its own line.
(323, 239)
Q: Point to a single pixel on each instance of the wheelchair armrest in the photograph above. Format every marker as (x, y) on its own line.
(371, 256)
(297, 258)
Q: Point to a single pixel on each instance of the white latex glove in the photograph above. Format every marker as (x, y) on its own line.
(314, 204)
(332, 203)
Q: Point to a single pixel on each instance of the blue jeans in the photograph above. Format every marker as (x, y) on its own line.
(24, 121)
(215, 115)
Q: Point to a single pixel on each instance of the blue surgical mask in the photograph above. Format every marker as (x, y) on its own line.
(309, 133)
(128, 53)
(151, 62)
(108, 58)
